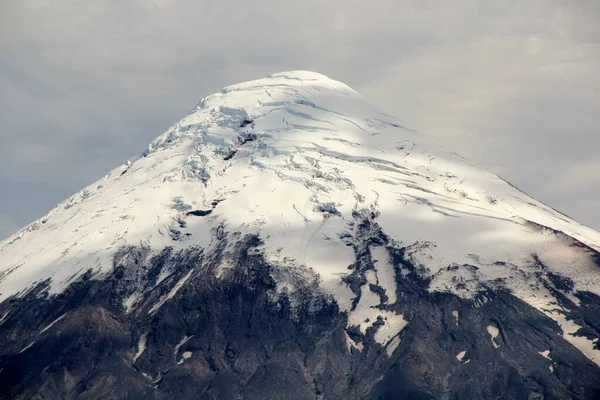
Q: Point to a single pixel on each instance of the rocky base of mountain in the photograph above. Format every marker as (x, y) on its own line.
(183, 325)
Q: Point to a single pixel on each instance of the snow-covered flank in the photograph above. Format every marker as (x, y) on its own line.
(294, 158)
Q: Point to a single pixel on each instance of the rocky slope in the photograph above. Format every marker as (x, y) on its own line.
(286, 240)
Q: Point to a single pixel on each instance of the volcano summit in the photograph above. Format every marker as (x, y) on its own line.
(286, 240)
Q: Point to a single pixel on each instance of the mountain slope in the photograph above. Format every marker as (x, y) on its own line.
(287, 231)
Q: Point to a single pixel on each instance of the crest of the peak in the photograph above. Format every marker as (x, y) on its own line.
(302, 75)
(293, 79)
(296, 86)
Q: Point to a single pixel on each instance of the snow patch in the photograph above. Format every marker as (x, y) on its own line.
(185, 356)
(27, 347)
(494, 332)
(582, 343)
(545, 354)
(358, 346)
(393, 324)
(366, 310)
(147, 376)
(171, 293)
(392, 345)
(543, 300)
(181, 343)
(386, 275)
(51, 324)
(130, 301)
(455, 314)
(141, 347)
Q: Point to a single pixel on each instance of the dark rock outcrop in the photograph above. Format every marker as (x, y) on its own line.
(179, 325)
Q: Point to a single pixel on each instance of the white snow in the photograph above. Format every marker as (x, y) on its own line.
(461, 355)
(394, 323)
(392, 345)
(171, 293)
(185, 356)
(455, 314)
(365, 312)
(181, 343)
(47, 327)
(130, 301)
(350, 343)
(546, 355)
(26, 347)
(541, 298)
(585, 345)
(359, 346)
(147, 376)
(51, 324)
(386, 276)
(493, 331)
(320, 152)
(141, 347)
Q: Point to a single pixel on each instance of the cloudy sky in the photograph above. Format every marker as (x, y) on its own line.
(512, 85)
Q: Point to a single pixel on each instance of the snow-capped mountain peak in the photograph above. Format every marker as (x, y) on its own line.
(302, 161)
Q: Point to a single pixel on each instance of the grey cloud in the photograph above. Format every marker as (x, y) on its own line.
(510, 85)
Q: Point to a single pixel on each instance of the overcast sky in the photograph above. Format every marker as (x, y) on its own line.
(513, 86)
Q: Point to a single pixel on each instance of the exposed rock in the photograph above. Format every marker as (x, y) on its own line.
(234, 335)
